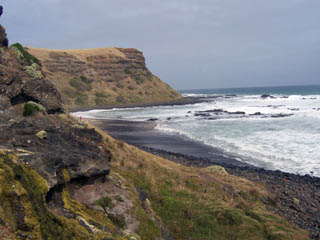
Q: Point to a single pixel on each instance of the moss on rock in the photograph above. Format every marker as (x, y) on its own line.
(23, 207)
(23, 55)
(34, 71)
(41, 134)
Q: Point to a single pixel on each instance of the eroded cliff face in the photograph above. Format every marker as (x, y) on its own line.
(45, 156)
(100, 77)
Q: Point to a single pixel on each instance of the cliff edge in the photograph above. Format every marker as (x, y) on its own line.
(103, 76)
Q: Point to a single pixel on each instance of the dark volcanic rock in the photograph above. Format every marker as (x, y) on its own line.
(153, 119)
(281, 115)
(237, 112)
(68, 146)
(3, 36)
(266, 96)
(17, 86)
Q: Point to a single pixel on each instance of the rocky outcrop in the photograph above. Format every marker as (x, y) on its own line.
(3, 36)
(103, 77)
(66, 147)
(21, 82)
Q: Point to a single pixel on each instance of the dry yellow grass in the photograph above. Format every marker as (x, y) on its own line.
(43, 53)
(197, 203)
(102, 77)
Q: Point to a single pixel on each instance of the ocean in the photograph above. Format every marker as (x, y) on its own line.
(276, 128)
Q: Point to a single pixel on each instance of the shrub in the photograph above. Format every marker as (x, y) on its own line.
(100, 101)
(117, 220)
(33, 71)
(120, 99)
(119, 85)
(105, 202)
(141, 64)
(127, 71)
(31, 107)
(81, 99)
(24, 55)
(85, 80)
(231, 217)
(80, 85)
(138, 79)
(71, 93)
(101, 95)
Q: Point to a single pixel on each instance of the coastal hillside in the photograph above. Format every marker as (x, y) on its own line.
(101, 77)
(62, 178)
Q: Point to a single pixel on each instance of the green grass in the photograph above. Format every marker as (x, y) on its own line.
(101, 95)
(30, 109)
(139, 80)
(81, 99)
(79, 84)
(197, 204)
(71, 93)
(105, 202)
(127, 71)
(33, 71)
(119, 85)
(101, 101)
(27, 57)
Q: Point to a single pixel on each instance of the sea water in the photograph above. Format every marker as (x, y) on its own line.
(277, 132)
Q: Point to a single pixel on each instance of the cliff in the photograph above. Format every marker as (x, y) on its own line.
(64, 179)
(101, 77)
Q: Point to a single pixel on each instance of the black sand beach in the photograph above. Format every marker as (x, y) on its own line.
(180, 101)
(296, 197)
(144, 135)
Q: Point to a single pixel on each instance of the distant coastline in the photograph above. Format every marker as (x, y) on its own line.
(293, 89)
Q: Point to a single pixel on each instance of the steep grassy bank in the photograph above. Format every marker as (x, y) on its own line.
(199, 203)
(100, 77)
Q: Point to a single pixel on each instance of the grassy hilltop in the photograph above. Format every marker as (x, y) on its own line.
(104, 76)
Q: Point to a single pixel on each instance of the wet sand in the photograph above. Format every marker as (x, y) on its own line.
(145, 136)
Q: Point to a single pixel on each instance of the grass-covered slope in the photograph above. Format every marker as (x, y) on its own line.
(143, 197)
(197, 203)
(101, 77)
(58, 182)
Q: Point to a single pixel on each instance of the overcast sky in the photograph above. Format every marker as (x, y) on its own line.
(189, 44)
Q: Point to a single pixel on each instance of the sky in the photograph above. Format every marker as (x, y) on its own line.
(190, 44)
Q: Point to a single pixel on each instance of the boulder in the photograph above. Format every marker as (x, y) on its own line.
(80, 152)
(17, 86)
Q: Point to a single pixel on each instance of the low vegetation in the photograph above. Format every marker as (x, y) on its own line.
(34, 71)
(30, 108)
(199, 203)
(23, 55)
(114, 74)
(80, 83)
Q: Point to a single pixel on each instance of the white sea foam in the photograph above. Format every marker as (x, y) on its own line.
(288, 143)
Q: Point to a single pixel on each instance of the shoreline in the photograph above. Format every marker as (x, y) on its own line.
(180, 101)
(298, 197)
